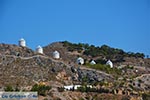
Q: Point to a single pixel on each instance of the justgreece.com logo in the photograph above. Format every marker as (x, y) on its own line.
(18, 96)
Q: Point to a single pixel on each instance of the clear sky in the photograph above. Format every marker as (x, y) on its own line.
(121, 24)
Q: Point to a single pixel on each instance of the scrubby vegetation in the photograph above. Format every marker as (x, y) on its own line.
(41, 89)
(9, 88)
(130, 77)
(105, 68)
(104, 50)
(74, 47)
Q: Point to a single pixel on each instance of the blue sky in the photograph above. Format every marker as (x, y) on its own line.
(121, 24)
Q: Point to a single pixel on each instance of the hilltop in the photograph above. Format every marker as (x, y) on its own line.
(22, 68)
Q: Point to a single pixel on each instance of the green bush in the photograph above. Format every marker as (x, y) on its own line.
(41, 89)
(8, 88)
(82, 89)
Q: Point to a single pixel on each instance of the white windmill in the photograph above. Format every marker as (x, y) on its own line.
(109, 63)
(56, 55)
(22, 42)
(39, 49)
(80, 61)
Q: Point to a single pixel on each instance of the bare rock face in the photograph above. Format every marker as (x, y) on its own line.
(142, 82)
(15, 50)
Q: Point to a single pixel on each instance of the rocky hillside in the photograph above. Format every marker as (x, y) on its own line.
(6, 49)
(22, 67)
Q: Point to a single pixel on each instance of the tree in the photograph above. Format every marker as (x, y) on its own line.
(8, 88)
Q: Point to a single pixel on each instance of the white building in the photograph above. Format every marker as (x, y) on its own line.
(80, 61)
(56, 55)
(39, 49)
(22, 42)
(75, 87)
(69, 87)
(92, 62)
(109, 63)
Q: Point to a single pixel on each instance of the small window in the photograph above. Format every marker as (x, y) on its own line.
(18, 54)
